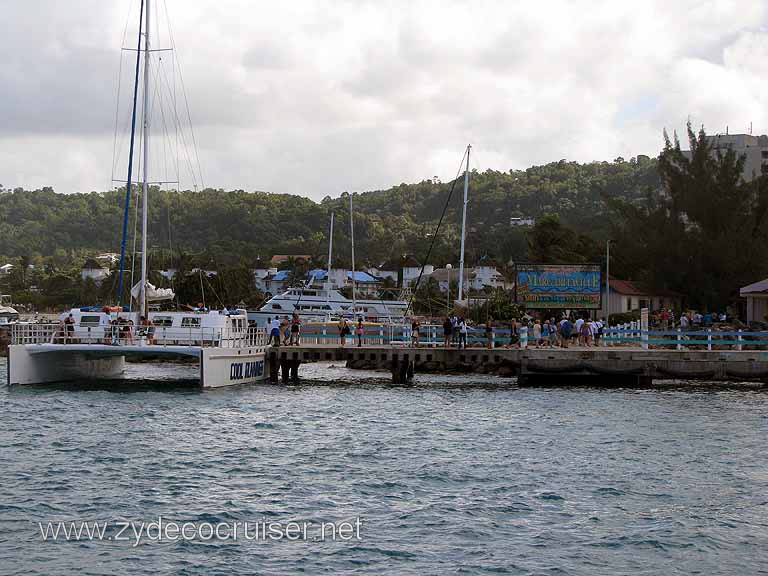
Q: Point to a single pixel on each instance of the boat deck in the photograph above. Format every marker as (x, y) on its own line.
(129, 350)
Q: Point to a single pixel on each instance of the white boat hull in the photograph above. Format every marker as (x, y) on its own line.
(26, 367)
(221, 367)
(48, 363)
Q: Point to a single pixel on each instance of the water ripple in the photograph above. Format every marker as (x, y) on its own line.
(448, 475)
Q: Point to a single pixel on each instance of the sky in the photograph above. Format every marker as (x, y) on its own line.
(319, 98)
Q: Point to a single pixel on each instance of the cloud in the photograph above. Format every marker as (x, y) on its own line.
(317, 98)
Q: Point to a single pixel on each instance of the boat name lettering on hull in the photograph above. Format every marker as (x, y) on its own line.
(243, 370)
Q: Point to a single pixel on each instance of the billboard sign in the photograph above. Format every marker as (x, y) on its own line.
(558, 286)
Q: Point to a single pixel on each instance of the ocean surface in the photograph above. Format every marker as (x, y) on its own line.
(452, 475)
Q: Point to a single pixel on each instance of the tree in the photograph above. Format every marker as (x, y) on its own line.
(700, 232)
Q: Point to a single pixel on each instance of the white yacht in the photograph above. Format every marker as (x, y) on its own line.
(8, 314)
(327, 304)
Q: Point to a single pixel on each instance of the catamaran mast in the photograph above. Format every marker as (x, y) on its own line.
(145, 182)
(464, 226)
(352, 236)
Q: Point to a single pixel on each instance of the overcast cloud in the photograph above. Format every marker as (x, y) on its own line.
(316, 98)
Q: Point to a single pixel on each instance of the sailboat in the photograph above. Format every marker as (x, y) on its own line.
(93, 343)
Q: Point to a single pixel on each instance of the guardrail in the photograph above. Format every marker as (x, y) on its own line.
(129, 335)
(679, 339)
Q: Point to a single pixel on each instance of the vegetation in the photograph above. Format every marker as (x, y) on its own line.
(690, 225)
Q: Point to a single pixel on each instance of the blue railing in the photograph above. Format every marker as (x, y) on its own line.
(680, 339)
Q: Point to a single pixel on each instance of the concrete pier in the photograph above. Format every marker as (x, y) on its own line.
(614, 365)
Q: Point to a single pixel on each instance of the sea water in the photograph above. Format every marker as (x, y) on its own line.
(450, 475)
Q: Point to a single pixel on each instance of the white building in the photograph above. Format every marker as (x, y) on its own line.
(478, 278)
(753, 148)
(486, 275)
(6, 269)
(382, 273)
(627, 296)
(516, 221)
(757, 301)
(94, 270)
(411, 270)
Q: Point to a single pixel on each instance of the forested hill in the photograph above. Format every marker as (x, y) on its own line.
(238, 226)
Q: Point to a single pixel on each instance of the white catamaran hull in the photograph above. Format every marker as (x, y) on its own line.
(50, 363)
(26, 366)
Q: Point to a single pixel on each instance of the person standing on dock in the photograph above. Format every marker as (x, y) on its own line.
(488, 333)
(537, 334)
(414, 332)
(360, 331)
(285, 329)
(274, 332)
(447, 330)
(565, 332)
(462, 328)
(343, 330)
(295, 329)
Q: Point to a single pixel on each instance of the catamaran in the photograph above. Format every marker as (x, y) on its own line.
(93, 343)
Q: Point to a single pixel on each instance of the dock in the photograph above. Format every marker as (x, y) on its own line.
(617, 366)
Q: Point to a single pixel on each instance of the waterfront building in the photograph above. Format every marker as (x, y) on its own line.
(627, 296)
(756, 296)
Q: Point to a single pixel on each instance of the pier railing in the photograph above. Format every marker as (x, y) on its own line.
(679, 339)
(129, 335)
(430, 335)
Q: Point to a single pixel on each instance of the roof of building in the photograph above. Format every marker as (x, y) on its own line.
(281, 276)
(755, 288)
(277, 258)
(408, 261)
(630, 288)
(363, 277)
(442, 274)
(93, 264)
(487, 262)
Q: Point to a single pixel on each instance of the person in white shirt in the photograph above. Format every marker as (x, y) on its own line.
(537, 334)
(274, 332)
(577, 324)
(462, 325)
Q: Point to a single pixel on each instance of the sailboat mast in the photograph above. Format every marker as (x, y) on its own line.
(330, 257)
(330, 249)
(352, 236)
(145, 182)
(464, 226)
(128, 187)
